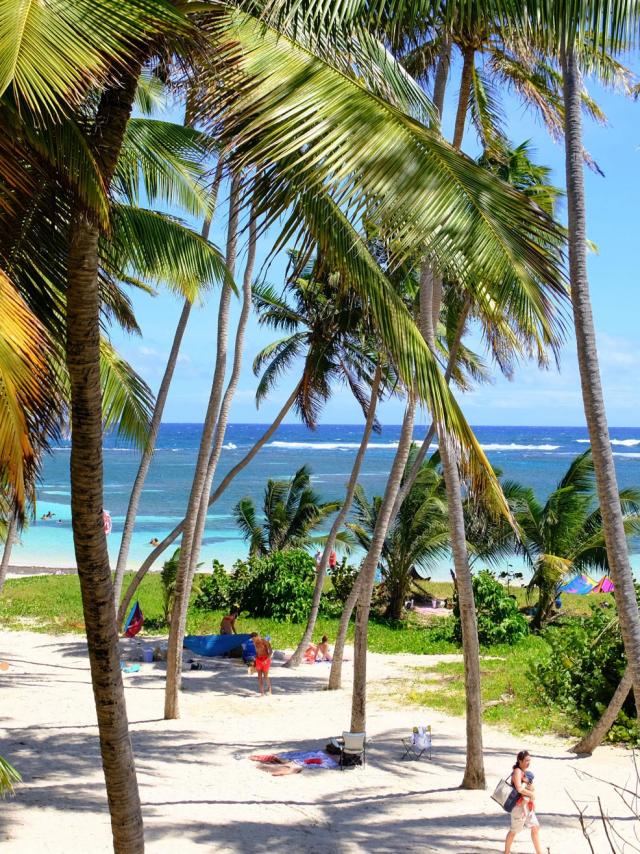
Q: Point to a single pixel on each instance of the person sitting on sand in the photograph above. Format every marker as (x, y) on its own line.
(228, 623)
(154, 541)
(264, 652)
(318, 652)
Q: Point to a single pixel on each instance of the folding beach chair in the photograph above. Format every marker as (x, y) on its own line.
(418, 743)
(352, 747)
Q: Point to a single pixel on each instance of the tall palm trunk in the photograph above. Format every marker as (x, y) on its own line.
(431, 432)
(12, 530)
(594, 738)
(474, 777)
(223, 415)
(442, 74)
(369, 566)
(92, 558)
(154, 427)
(196, 497)
(468, 55)
(296, 658)
(593, 400)
(219, 490)
(335, 674)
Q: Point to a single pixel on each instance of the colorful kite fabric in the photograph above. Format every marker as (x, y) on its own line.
(605, 585)
(135, 621)
(581, 585)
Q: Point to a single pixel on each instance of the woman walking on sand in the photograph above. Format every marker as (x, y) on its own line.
(523, 814)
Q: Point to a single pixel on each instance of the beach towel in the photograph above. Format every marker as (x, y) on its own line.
(135, 621)
(308, 758)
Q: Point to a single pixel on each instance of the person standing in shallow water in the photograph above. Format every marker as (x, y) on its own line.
(523, 815)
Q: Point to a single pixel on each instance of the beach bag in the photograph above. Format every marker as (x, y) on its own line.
(505, 794)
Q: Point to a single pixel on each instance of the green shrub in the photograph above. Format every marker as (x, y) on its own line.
(582, 670)
(215, 589)
(343, 578)
(499, 621)
(279, 585)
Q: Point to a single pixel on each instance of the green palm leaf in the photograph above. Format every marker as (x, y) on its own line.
(162, 250)
(166, 162)
(127, 401)
(51, 53)
(8, 776)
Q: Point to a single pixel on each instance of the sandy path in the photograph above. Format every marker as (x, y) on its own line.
(199, 789)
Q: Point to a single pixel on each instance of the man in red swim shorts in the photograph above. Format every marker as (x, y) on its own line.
(263, 661)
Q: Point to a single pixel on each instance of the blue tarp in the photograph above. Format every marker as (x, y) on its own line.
(581, 584)
(212, 645)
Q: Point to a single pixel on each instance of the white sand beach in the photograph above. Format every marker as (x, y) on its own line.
(200, 791)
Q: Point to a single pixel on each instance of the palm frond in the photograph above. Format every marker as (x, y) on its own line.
(127, 401)
(52, 53)
(161, 249)
(166, 163)
(29, 402)
(8, 777)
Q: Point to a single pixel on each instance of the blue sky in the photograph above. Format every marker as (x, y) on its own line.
(534, 397)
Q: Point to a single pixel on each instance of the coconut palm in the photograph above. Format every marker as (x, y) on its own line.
(565, 534)
(418, 536)
(291, 511)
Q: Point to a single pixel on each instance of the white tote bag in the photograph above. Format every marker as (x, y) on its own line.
(502, 792)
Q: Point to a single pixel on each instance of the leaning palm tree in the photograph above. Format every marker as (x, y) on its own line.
(565, 534)
(291, 511)
(417, 537)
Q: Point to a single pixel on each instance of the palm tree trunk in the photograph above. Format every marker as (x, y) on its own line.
(223, 415)
(368, 571)
(468, 55)
(92, 558)
(227, 479)
(442, 73)
(196, 497)
(594, 738)
(474, 777)
(335, 675)
(12, 529)
(296, 658)
(154, 427)
(426, 442)
(606, 482)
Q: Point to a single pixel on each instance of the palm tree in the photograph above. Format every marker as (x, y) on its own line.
(154, 426)
(592, 394)
(418, 535)
(291, 511)
(565, 535)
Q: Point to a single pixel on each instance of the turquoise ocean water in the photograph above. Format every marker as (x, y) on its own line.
(536, 456)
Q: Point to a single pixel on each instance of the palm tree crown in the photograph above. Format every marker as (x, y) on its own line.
(291, 511)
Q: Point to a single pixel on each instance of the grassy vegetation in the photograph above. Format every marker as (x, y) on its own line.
(572, 603)
(52, 604)
(510, 695)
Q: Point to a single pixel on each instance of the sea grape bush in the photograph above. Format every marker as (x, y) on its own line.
(582, 669)
(499, 620)
(279, 585)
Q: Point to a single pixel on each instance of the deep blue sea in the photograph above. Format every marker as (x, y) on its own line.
(536, 456)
